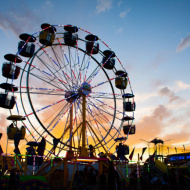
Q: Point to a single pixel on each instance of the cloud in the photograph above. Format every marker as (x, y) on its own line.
(49, 4)
(103, 5)
(182, 85)
(167, 92)
(3, 120)
(162, 123)
(119, 3)
(18, 19)
(160, 58)
(185, 43)
(150, 126)
(160, 112)
(146, 96)
(123, 14)
(181, 135)
(48, 7)
(119, 30)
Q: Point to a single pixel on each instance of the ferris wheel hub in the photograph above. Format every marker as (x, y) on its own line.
(86, 88)
(71, 96)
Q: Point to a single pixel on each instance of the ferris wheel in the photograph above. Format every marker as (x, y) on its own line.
(68, 86)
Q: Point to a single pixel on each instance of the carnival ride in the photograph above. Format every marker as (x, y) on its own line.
(67, 96)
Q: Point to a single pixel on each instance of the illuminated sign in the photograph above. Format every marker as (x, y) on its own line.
(178, 157)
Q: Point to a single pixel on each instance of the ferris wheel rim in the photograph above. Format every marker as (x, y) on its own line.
(28, 94)
(30, 60)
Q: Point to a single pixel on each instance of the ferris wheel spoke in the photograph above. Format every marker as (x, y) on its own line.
(98, 71)
(108, 106)
(62, 52)
(47, 54)
(69, 70)
(48, 106)
(53, 120)
(75, 118)
(87, 65)
(92, 135)
(101, 111)
(66, 128)
(44, 73)
(104, 109)
(75, 69)
(41, 89)
(99, 131)
(92, 73)
(58, 115)
(42, 93)
(53, 74)
(78, 63)
(98, 116)
(105, 94)
(56, 56)
(47, 82)
(55, 81)
(60, 74)
(83, 67)
(97, 85)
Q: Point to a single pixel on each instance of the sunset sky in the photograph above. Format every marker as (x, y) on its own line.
(152, 40)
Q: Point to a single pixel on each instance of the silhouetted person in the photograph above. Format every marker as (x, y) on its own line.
(80, 182)
(1, 172)
(102, 181)
(18, 172)
(133, 180)
(12, 180)
(113, 177)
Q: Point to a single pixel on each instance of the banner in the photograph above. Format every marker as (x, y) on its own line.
(131, 155)
(41, 147)
(143, 150)
(1, 150)
(152, 157)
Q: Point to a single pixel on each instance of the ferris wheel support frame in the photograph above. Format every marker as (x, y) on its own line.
(84, 152)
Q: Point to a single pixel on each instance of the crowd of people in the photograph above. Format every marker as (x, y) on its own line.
(90, 179)
(111, 180)
(175, 179)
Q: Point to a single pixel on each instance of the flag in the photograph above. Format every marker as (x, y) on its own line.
(1, 150)
(143, 150)
(152, 157)
(131, 155)
(41, 147)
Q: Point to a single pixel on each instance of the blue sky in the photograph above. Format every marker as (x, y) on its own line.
(152, 40)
